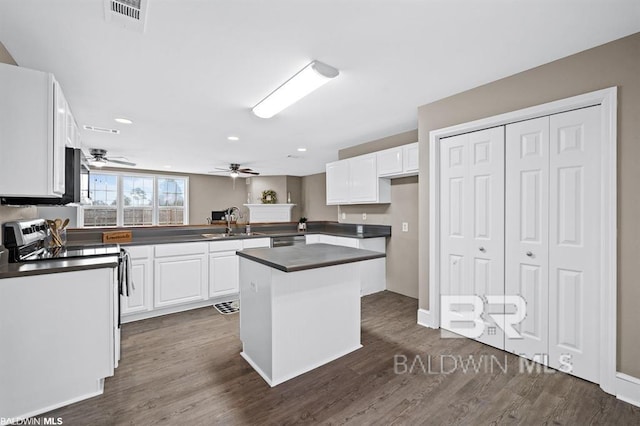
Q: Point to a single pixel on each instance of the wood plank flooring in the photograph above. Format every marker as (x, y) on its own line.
(185, 369)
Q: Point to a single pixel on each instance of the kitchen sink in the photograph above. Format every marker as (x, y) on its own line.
(234, 234)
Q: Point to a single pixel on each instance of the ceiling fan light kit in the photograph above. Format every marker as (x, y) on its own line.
(305, 81)
(99, 158)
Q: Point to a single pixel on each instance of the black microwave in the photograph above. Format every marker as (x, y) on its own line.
(76, 181)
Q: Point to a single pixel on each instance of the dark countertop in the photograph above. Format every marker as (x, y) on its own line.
(302, 257)
(12, 270)
(183, 234)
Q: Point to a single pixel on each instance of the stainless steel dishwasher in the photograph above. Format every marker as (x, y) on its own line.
(290, 240)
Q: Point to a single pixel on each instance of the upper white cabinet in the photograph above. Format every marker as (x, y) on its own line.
(399, 161)
(355, 181)
(338, 182)
(33, 131)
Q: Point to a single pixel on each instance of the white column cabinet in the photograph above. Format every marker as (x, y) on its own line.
(180, 274)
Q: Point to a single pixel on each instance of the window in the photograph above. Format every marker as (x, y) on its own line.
(136, 200)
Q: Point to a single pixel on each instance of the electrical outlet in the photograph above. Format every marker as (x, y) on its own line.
(344, 215)
(364, 216)
(254, 286)
(405, 226)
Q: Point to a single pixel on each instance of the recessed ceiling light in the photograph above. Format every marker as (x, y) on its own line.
(123, 120)
(233, 138)
(302, 149)
(167, 166)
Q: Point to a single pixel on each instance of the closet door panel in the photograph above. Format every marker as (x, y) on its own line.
(526, 233)
(573, 244)
(486, 249)
(472, 220)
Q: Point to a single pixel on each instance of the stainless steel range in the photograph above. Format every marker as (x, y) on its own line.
(26, 241)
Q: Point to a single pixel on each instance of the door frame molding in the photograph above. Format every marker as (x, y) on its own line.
(607, 99)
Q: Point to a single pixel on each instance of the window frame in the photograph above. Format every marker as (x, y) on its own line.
(120, 198)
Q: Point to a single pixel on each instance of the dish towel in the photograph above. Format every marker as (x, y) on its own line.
(127, 286)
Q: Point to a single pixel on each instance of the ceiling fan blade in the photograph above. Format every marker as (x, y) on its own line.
(225, 169)
(218, 172)
(248, 172)
(126, 163)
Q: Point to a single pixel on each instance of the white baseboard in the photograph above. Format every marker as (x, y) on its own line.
(628, 389)
(426, 319)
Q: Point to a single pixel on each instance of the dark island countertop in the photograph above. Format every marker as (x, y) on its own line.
(311, 256)
(12, 270)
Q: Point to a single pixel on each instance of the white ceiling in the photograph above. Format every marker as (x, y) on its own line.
(190, 80)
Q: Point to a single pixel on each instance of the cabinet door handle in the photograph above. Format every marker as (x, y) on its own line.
(529, 254)
(482, 249)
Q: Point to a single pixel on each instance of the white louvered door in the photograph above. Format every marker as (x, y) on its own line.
(472, 211)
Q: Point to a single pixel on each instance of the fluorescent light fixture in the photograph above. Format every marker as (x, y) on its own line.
(123, 120)
(233, 174)
(233, 138)
(302, 149)
(297, 87)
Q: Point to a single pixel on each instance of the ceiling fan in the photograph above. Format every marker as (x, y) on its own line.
(235, 170)
(99, 158)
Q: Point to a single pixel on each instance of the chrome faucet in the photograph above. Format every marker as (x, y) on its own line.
(230, 210)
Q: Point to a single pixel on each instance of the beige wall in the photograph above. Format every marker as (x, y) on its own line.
(294, 187)
(257, 184)
(5, 56)
(613, 64)
(314, 199)
(402, 247)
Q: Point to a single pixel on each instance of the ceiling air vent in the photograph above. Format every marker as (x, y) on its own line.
(101, 129)
(129, 14)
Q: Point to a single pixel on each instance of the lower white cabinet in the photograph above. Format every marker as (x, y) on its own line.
(141, 298)
(373, 273)
(223, 267)
(180, 274)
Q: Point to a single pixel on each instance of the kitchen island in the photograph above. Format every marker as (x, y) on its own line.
(299, 307)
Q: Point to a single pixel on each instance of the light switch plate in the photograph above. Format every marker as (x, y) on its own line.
(344, 215)
(364, 216)
(405, 226)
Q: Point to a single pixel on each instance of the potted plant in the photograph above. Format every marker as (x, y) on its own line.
(302, 224)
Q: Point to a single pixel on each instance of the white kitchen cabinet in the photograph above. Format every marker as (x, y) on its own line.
(33, 131)
(372, 272)
(141, 299)
(60, 339)
(223, 267)
(338, 182)
(355, 181)
(180, 274)
(256, 243)
(400, 161)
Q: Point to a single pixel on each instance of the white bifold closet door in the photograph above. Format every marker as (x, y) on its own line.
(551, 231)
(472, 221)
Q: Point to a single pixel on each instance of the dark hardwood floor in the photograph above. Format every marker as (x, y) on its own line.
(185, 369)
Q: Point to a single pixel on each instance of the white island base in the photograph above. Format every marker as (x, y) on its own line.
(293, 322)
